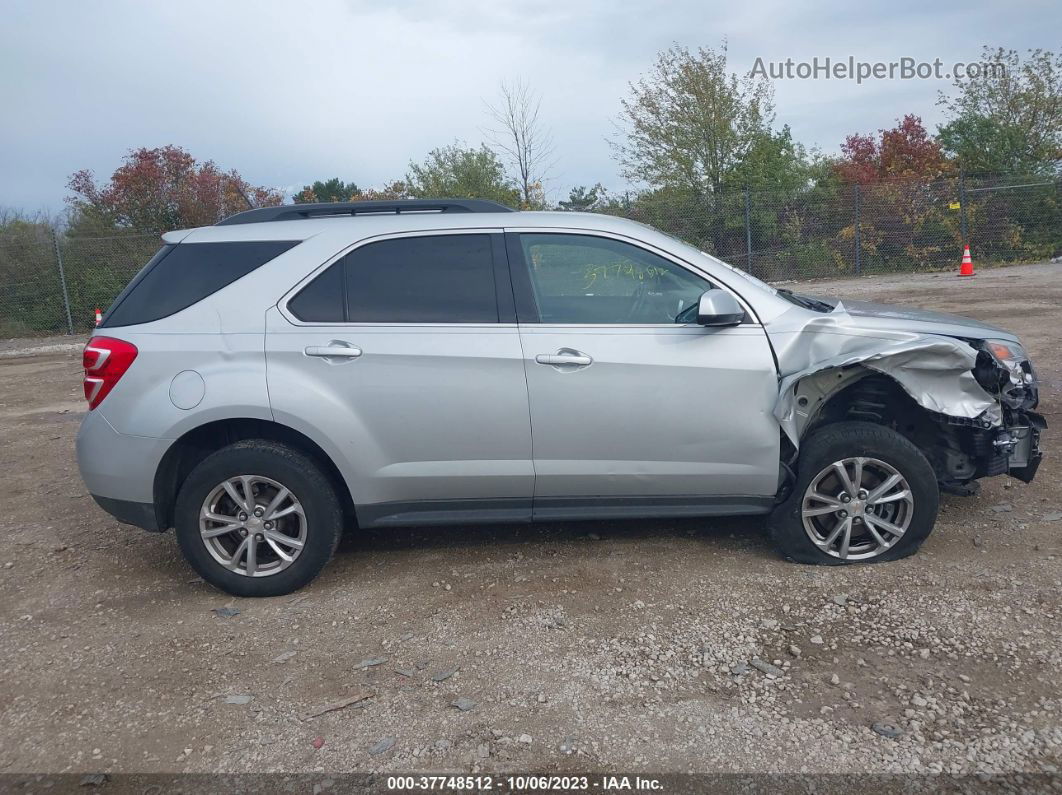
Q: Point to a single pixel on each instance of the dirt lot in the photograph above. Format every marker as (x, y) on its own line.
(584, 646)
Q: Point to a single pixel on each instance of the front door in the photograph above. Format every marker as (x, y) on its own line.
(630, 408)
(401, 358)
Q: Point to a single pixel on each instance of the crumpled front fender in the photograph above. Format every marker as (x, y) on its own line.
(935, 370)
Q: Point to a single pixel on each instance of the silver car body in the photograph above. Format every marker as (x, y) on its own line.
(429, 422)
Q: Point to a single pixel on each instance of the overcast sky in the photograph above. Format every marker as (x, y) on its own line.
(289, 92)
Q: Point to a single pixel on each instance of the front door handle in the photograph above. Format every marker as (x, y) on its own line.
(334, 350)
(565, 358)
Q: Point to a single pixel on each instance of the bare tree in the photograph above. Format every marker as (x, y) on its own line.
(523, 140)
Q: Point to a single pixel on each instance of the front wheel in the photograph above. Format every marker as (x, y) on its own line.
(257, 518)
(863, 494)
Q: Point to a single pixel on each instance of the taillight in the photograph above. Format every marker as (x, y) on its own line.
(105, 360)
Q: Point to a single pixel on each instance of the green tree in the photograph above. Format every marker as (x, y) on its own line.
(1009, 118)
(32, 300)
(583, 199)
(690, 122)
(390, 191)
(689, 125)
(988, 146)
(332, 190)
(457, 172)
(774, 161)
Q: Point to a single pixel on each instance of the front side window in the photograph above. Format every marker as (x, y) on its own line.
(422, 279)
(585, 279)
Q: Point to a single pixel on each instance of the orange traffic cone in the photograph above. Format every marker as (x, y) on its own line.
(966, 269)
(99, 315)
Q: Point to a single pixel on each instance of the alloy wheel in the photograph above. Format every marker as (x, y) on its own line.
(857, 508)
(253, 525)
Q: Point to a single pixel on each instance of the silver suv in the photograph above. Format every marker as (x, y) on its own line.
(265, 383)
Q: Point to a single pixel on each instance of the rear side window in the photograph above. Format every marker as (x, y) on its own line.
(179, 276)
(423, 279)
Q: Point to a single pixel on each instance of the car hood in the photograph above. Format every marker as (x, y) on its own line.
(903, 318)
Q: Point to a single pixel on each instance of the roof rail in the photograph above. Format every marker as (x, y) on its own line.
(297, 212)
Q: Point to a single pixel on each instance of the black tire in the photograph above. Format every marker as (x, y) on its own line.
(289, 467)
(847, 440)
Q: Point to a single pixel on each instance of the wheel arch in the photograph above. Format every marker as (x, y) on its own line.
(854, 393)
(196, 444)
(864, 395)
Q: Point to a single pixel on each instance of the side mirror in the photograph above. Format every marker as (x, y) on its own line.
(719, 308)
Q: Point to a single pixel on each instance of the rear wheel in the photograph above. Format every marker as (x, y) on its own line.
(864, 494)
(257, 518)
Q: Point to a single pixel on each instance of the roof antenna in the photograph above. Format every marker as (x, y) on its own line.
(239, 188)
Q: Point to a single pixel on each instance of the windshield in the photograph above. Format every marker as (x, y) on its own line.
(694, 252)
(805, 301)
(762, 285)
(738, 272)
(695, 256)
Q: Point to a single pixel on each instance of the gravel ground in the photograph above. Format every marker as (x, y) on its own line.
(643, 646)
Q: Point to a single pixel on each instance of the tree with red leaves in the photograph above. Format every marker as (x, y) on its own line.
(156, 190)
(904, 151)
(905, 205)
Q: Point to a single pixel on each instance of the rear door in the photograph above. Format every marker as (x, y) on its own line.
(405, 356)
(632, 411)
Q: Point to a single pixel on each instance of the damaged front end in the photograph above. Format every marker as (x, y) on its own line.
(967, 403)
(1012, 444)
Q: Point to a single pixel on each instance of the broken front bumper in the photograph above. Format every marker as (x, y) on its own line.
(1021, 442)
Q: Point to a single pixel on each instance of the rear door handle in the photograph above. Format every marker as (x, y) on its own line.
(334, 350)
(564, 359)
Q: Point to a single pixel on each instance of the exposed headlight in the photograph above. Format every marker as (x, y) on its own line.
(1006, 352)
(1010, 355)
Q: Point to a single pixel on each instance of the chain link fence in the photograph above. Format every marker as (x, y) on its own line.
(53, 283)
(891, 226)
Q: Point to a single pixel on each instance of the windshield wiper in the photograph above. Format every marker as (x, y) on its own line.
(806, 301)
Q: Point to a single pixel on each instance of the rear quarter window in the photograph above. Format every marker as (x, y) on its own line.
(181, 275)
